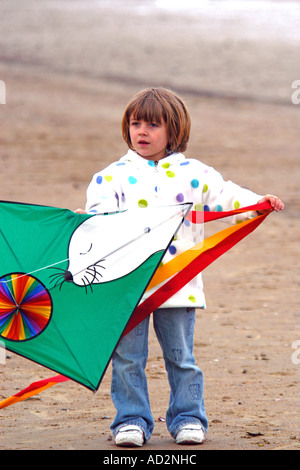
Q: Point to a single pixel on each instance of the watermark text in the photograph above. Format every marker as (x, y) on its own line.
(2, 353)
(296, 93)
(296, 353)
(2, 92)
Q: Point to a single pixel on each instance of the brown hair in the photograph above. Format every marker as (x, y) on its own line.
(153, 104)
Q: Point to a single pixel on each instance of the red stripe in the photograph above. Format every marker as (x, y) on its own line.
(42, 383)
(207, 216)
(195, 267)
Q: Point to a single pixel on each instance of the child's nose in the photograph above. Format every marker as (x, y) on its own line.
(143, 129)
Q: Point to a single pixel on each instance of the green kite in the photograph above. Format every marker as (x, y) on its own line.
(69, 283)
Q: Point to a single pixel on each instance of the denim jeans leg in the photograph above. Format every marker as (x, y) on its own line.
(175, 331)
(129, 388)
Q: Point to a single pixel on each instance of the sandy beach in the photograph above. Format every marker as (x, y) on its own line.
(69, 69)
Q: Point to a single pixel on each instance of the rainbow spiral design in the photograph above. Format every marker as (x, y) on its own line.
(25, 307)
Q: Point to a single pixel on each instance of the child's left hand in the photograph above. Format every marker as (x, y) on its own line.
(275, 202)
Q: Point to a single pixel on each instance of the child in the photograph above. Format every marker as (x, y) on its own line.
(156, 127)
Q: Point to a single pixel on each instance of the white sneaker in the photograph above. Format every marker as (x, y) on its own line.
(190, 434)
(130, 436)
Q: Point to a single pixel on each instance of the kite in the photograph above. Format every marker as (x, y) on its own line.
(69, 283)
(59, 303)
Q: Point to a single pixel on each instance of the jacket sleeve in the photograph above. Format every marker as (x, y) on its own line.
(101, 195)
(221, 195)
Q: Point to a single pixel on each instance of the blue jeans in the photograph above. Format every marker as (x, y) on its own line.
(174, 328)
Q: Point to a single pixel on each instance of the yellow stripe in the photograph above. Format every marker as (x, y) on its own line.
(42, 310)
(7, 329)
(173, 266)
(22, 331)
(30, 281)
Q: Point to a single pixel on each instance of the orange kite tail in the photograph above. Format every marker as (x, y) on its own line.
(33, 389)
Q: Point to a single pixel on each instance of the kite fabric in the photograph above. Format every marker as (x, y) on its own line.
(33, 389)
(184, 267)
(69, 282)
(171, 276)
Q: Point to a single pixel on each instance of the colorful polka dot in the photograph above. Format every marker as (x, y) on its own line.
(172, 250)
(120, 164)
(205, 188)
(206, 208)
(170, 174)
(108, 178)
(195, 183)
(99, 179)
(151, 163)
(142, 203)
(219, 208)
(236, 205)
(199, 207)
(192, 298)
(165, 165)
(184, 163)
(132, 180)
(180, 197)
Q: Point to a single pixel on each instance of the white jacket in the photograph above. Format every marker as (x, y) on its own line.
(134, 181)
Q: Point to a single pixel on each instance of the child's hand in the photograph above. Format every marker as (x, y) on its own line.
(80, 211)
(275, 202)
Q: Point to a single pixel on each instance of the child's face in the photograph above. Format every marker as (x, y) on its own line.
(149, 139)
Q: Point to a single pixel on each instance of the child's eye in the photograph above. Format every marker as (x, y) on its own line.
(154, 124)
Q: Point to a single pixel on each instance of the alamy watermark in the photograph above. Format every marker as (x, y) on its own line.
(2, 92)
(2, 353)
(296, 353)
(296, 93)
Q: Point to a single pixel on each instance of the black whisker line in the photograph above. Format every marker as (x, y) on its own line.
(99, 265)
(98, 273)
(93, 274)
(84, 284)
(57, 275)
(88, 283)
(55, 280)
(58, 281)
(59, 269)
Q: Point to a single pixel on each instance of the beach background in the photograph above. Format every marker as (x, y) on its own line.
(69, 68)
